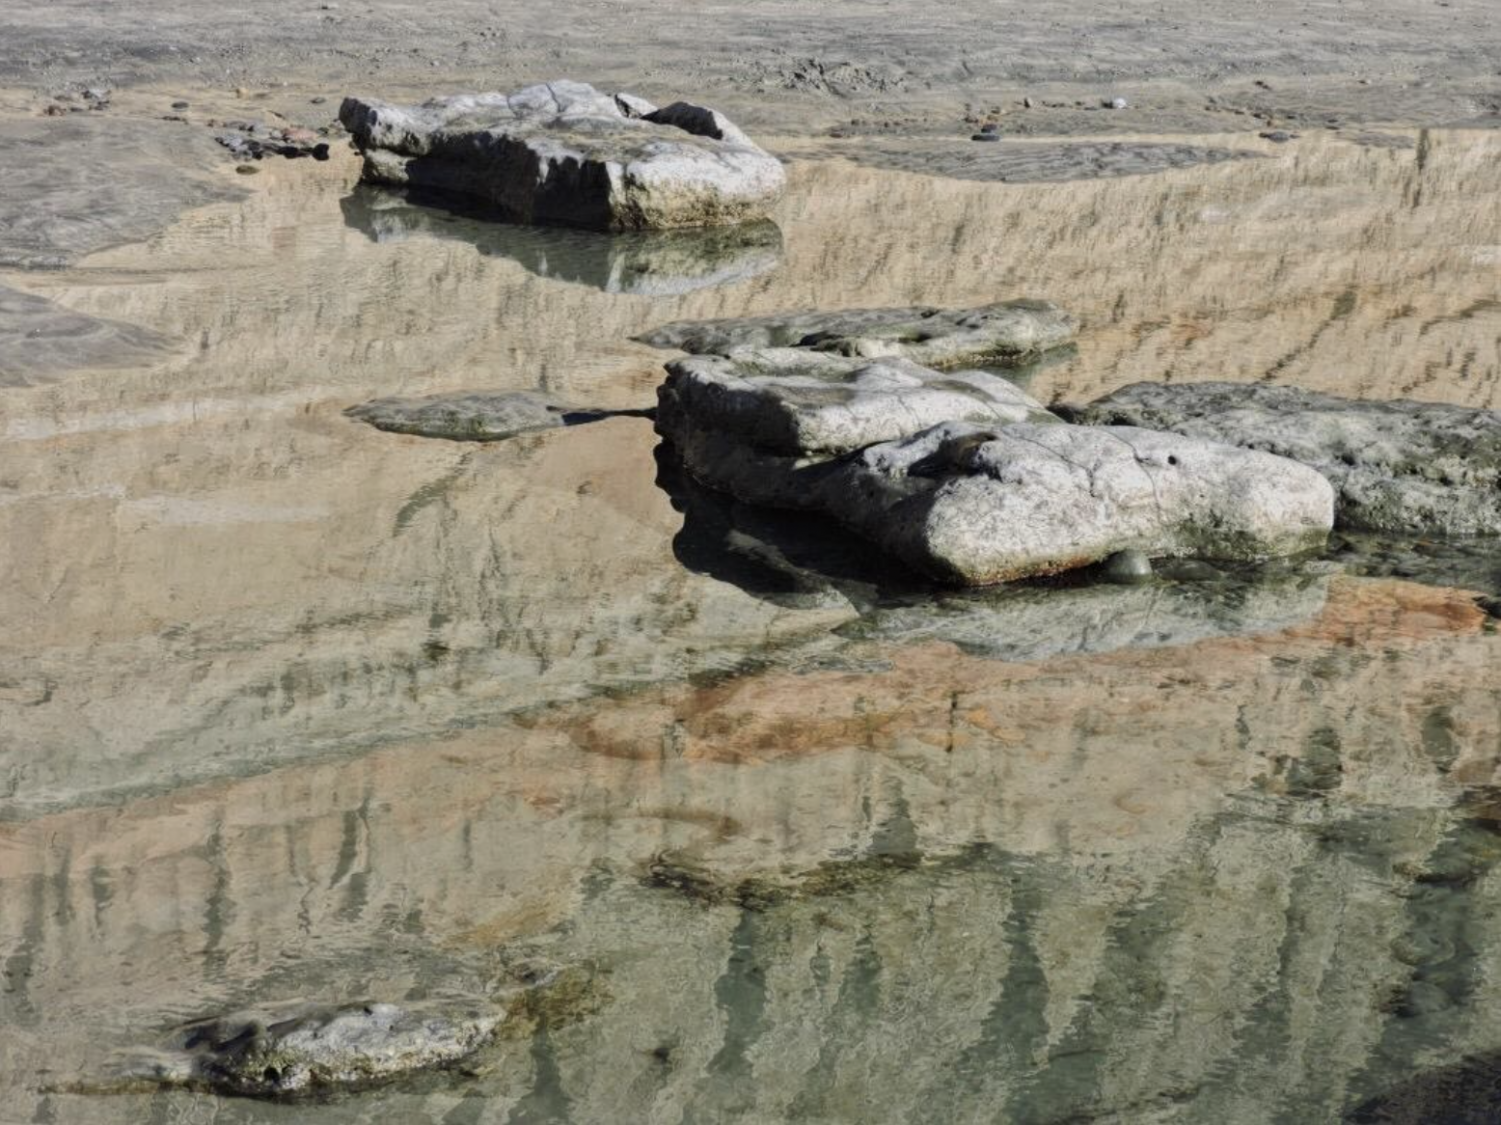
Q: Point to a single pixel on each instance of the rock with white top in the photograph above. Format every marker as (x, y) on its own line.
(565, 153)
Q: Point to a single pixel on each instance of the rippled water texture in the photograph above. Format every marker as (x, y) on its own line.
(293, 707)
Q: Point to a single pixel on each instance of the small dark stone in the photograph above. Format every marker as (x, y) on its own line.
(986, 137)
(320, 152)
(1129, 565)
(1277, 136)
(990, 127)
(247, 169)
(179, 105)
(319, 100)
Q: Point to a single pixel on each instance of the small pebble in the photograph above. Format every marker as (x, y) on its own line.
(246, 169)
(241, 92)
(1026, 103)
(320, 152)
(1117, 103)
(319, 100)
(179, 105)
(990, 127)
(1277, 136)
(985, 137)
(95, 94)
(56, 111)
(1129, 565)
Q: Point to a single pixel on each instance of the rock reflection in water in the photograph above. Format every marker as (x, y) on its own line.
(644, 263)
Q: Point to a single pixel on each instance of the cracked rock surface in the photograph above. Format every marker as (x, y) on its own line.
(565, 153)
(1398, 466)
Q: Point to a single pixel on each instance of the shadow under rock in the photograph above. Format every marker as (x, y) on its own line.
(804, 561)
(642, 263)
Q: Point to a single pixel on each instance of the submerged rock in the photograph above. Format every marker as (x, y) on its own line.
(297, 1049)
(469, 416)
(1405, 467)
(1002, 332)
(565, 153)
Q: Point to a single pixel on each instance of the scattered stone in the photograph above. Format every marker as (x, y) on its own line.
(1277, 136)
(1415, 467)
(319, 100)
(180, 105)
(1027, 103)
(96, 94)
(55, 111)
(246, 169)
(1116, 103)
(999, 333)
(1129, 565)
(985, 137)
(990, 127)
(469, 416)
(566, 153)
(300, 1049)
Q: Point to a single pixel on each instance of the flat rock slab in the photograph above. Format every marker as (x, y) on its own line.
(998, 333)
(1402, 467)
(299, 1049)
(565, 153)
(794, 402)
(470, 416)
(40, 341)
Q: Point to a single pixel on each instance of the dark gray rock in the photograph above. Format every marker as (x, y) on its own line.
(472, 416)
(566, 153)
(1007, 331)
(1414, 467)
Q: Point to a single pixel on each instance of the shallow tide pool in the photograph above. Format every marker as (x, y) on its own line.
(291, 707)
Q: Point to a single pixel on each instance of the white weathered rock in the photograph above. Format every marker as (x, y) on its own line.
(1006, 331)
(795, 402)
(565, 153)
(1406, 467)
(976, 506)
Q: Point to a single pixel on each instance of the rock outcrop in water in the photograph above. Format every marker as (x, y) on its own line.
(1399, 466)
(299, 1049)
(1002, 332)
(967, 479)
(565, 153)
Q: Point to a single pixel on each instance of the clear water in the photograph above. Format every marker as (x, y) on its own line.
(290, 707)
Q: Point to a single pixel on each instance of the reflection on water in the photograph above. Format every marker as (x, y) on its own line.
(650, 263)
(291, 707)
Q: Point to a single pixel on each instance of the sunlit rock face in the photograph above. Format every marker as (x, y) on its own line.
(565, 153)
(1416, 468)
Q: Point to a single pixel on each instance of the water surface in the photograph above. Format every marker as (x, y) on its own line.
(293, 707)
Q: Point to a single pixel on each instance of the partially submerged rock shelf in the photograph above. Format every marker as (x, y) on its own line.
(961, 475)
(565, 153)
(1403, 467)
